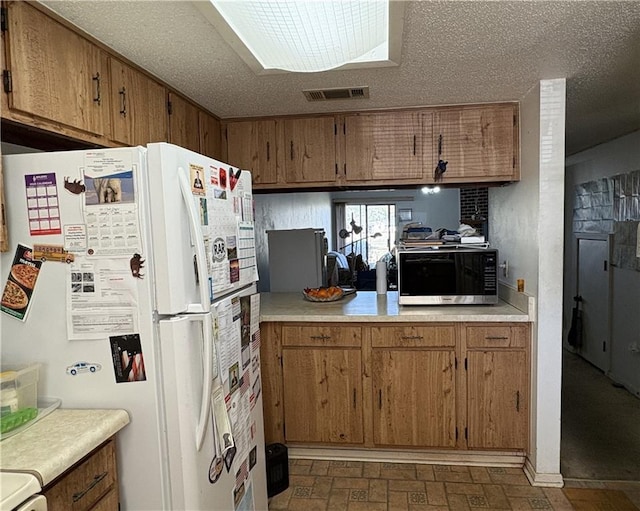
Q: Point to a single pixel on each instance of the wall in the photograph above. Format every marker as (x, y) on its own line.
(619, 156)
(525, 224)
(287, 211)
(8, 148)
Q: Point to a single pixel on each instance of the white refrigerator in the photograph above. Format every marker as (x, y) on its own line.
(131, 280)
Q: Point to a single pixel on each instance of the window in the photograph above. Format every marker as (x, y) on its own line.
(368, 230)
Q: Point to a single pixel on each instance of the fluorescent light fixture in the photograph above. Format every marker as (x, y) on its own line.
(310, 35)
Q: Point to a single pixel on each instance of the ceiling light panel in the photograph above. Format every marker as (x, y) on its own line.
(310, 36)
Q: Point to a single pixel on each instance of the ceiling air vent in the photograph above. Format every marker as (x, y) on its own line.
(337, 93)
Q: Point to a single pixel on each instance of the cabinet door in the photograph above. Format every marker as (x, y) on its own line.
(383, 146)
(138, 106)
(184, 123)
(322, 395)
(252, 145)
(310, 150)
(479, 143)
(414, 398)
(209, 135)
(83, 486)
(497, 399)
(56, 74)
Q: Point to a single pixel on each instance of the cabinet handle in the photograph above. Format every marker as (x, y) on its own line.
(268, 152)
(96, 480)
(496, 338)
(517, 400)
(292, 150)
(414, 145)
(354, 398)
(320, 337)
(123, 102)
(380, 399)
(96, 79)
(412, 337)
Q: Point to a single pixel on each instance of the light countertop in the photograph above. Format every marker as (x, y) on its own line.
(55, 443)
(368, 306)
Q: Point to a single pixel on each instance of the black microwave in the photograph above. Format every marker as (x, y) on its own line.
(447, 275)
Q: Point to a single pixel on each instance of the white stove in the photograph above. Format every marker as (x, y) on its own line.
(19, 492)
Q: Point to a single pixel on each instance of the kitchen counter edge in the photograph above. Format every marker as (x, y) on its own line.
(370, 307)
(54, 444)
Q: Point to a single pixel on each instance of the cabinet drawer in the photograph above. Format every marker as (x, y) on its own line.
(108, 503)
(413, 336)
(85, 484)
(498, 335)
(321, 336)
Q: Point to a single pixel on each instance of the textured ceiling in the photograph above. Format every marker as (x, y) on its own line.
(452, 52)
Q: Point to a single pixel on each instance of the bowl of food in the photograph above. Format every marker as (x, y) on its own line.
(323, 294)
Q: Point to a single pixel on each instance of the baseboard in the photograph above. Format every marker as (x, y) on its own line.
(538, 479)
(469, 458)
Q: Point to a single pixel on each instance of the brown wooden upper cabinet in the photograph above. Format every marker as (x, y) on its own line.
(310, 150)
(386, 146)
(138, 106)
(479, 143)
(184, 123)
(56, 74)
(251, 145)
(210, 144)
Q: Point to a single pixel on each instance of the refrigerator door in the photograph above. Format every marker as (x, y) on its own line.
(202, 222)
(44, 338)
(195, 483)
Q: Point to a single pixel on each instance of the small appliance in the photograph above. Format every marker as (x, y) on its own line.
(445, 275)
(297, 259)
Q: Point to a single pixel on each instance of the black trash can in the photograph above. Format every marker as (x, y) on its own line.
(277, 469)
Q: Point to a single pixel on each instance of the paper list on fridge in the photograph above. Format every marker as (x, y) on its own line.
(247, 253)
(228, 339)
(102, 300)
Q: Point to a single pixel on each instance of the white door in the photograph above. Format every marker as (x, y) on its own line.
(202, 233)
(594, 288)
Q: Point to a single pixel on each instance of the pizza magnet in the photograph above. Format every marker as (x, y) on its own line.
(20, 284)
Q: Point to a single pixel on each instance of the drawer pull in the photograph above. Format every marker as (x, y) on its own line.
(412, 337)
(380, 399)
(96, 480)
(496, 338)
(517, 400)
(354, 398)
(320, 337)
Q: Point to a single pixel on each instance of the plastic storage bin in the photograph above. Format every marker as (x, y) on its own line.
(18, 396)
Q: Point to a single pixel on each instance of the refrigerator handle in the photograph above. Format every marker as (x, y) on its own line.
(198, 239)
(207, 379)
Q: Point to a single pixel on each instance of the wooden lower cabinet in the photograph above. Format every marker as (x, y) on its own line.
(458, 386)
(497, 361)
(414, 397)
(91, 485)
(497, 415)
(322, 395)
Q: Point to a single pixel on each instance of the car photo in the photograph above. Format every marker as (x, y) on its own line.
(83, 367)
